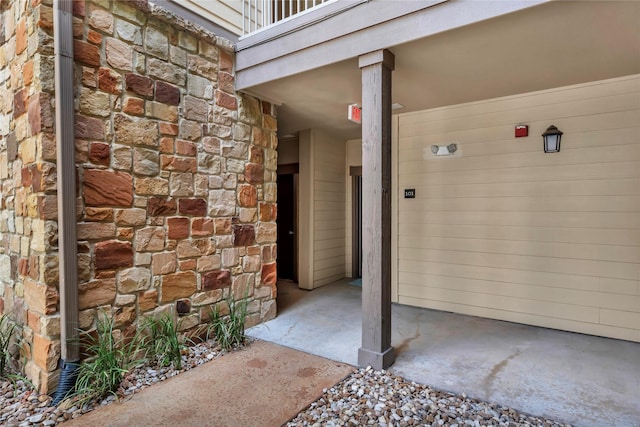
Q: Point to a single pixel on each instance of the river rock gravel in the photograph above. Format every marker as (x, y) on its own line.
(378, 398)
(366, 397)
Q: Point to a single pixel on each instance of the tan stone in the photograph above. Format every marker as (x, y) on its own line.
(266, 232)
(40, 298)
(148, 300)
(163, 263)
(181, 184)
(146, 162)
(269, 274)
(150, 239)
(135, 131)
(95, 230)
(130, 217)
(230, 257)
(178, 285)
(187, 264)
(118, 54)
(133, 280)
(208, 263)
(242, 286)
(96, 293)
(251, 264)
(122, 300)
(152, 186)
(247, 196)
(206, 298)
(46, 352)
(188, 249)
(124, 315)
(201, 227)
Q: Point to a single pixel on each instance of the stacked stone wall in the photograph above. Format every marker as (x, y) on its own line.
(176, 172)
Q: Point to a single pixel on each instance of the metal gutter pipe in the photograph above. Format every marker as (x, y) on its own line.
(66, 169)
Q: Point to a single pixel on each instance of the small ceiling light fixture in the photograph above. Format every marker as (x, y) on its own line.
(551, 139)
(444, 150)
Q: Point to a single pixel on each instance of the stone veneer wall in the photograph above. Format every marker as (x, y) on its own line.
(176, 174)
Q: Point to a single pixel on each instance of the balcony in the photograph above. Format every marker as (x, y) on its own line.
(259, 14)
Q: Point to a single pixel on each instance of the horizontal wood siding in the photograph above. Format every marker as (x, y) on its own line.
(329, 209)
(503, 230)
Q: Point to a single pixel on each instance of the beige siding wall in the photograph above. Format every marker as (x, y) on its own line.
(226, 13)
(329, 209)
(503, 230)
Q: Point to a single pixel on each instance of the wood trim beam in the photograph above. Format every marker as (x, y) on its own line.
(376, 350)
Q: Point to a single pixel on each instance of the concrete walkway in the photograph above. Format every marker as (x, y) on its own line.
(574, 378)
(262, 385)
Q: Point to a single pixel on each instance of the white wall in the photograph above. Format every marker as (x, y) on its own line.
(505, 231)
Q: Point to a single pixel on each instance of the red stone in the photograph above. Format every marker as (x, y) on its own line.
(89, 128)
(226, 62)
(186, 148)
(27, 73)
(106, 188)
(141, 85)
(178, 228)
(34, 115)
(109, 81)
(21, 36)
(167, 93)
(166, 145)
(216, 279)
(243, 235)
(113, 254)
(94, 37)
(20, 102)
(269, 274)
(247, 196)
(48, 207)
(227, 101)
(254, 173)
(86, 53)
(168, 129)
(134, 106)
(180, 164)
(78, 7)
(195, 207)
(257, 155)
(265, 212)
(226, 82)
(202, 227)
(157, 206)
(99, 154)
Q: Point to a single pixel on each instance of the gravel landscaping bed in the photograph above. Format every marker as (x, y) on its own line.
(369, 397)
(366, 397)
(20, 406)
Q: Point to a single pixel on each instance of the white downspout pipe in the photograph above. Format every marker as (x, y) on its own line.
(66, 169)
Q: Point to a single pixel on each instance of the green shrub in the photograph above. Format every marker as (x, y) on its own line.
(107, 361)
(162, 343)
(228, 331)
(8, 336)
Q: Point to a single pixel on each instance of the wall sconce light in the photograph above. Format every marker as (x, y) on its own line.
(444, 150)
(551, 139)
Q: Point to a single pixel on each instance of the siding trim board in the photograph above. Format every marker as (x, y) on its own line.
(505, 231)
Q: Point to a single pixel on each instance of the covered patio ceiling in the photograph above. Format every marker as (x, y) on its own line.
(545, 46)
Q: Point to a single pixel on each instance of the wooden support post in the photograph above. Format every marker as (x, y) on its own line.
(376, 350)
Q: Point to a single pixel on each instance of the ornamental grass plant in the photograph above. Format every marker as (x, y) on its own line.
(162, 343)
(229, 330)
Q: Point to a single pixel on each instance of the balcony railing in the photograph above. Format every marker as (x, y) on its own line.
(258, 14)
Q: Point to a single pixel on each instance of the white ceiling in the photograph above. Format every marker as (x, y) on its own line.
(551, 45)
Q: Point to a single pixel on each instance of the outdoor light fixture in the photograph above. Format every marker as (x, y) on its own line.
(444, 150)
(552, 139)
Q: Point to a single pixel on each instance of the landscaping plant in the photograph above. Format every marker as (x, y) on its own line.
(108, 360)
(7, 335)
(163, 345)
(228, 330)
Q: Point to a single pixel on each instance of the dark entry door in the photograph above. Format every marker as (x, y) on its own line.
(287, 227)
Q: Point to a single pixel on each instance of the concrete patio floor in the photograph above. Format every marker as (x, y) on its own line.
(573, 378)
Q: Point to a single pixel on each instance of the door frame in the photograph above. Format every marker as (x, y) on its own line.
(293, 169)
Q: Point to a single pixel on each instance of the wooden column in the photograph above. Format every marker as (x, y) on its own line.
(376, 349)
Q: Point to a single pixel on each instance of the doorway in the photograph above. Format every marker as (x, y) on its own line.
(287, 222)
(356, 221)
